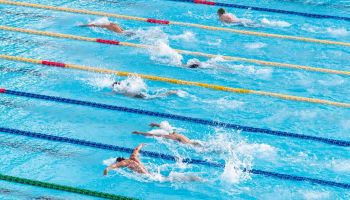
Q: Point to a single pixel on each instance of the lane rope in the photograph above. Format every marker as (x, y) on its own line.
(52, 186)
(169, 157)
(111, 42)
(176, 23)
(330, 141)
(180, 82)
(230, 5)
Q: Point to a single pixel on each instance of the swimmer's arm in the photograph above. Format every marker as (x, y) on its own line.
(148, 134)
(135, 153)
(93, 25)
(114, 166)
(154, 124)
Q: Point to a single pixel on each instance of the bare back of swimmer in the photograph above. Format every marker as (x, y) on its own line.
(111, 26)
(135, 165)
(174, 136)
(140, 95)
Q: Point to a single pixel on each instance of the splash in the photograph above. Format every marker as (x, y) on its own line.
(109, 161)
(152, 36)
(132, 85)
(99, 81)
(165, 54)
(277, 23)
(100, 21)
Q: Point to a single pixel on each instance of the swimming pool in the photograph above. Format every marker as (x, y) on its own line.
(82, 167)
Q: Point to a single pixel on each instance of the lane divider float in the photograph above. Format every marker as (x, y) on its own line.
(230, 5)
(169, 157)
(180, 82)
(214, 123)
(111, 42)
(64, 188)
(328, 42)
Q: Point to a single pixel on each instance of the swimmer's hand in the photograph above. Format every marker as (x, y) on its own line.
(105, 172)
(154, 124)
(137, 132)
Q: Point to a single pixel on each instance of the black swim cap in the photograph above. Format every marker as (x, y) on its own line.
(193, 66)
(120, 159)
(221, 11)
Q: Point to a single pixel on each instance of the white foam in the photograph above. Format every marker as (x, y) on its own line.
(100, 21)
(255, 45)
(338, 32)
(152, 36)
(159, 132)
(109, 161)
(99, 81)
(275, 23)
(260, 150)
(166, 126)
(341, 165)
(312, 194)
(262, 72)
(132, 85)
(186, 36)
(165, 54)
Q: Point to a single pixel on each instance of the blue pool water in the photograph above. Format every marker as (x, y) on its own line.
(82, 167)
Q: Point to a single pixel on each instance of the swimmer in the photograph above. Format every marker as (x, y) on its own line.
(232, 19)
(192, 63)
(227, 17)
(173, 136)
(135, 165)
(110, 26)
(140, 95)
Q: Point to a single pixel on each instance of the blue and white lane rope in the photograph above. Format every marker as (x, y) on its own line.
(169, 157)
(342, 143)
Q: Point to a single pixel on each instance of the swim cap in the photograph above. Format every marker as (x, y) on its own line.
(221, 11)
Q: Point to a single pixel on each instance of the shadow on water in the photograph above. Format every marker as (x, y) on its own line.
(24, 14)
(36, 149)
(32, 42)
(22, 70)
(5, 191)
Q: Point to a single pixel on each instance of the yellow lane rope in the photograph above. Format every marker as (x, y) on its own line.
(175, 81)
(261, 62)
(177, 23)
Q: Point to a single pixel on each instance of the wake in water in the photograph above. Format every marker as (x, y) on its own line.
(332, 31)
(132, 86)
(135, 87)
